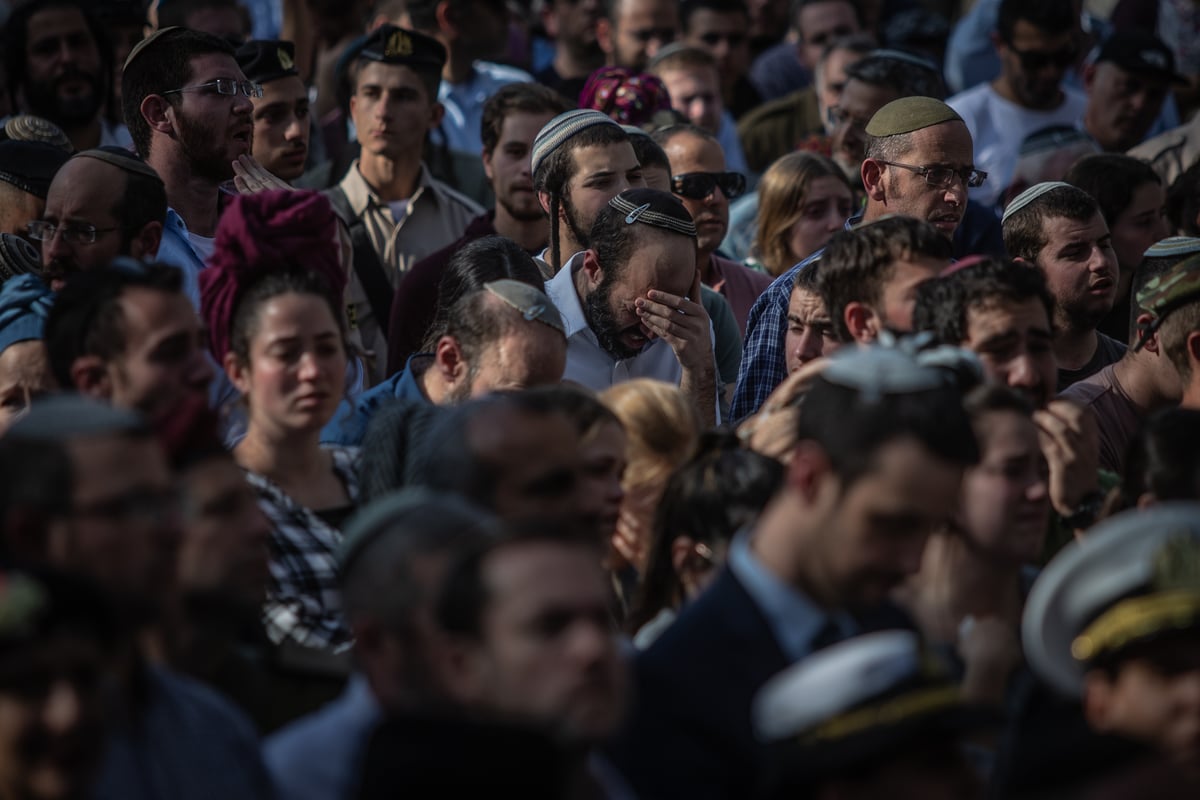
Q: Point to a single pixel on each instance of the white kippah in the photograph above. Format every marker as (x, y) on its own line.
(562, 128)
(1028, 196)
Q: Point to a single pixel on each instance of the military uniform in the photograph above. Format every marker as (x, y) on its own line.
(1171, 153)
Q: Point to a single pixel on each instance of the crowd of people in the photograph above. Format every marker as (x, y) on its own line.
(627, 399)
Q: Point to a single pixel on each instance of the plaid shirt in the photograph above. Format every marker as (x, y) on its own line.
(303, 602)
(764, 365)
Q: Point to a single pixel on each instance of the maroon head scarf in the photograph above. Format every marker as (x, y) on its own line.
(628, 97)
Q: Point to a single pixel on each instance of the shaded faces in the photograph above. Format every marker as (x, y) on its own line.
(508, 165)
(1141, 225)
(639, 29)
(281, 127)
(689, 153)
(848, 119)
(725, 35)
(1015, 343)
(601, 173)
(696, 93)
(293, 372)
(1122, 106)
(821, 23)
(392, 110)
(1033, 64)
(661, 261)
(212, 129)
(65, 79)
(826, 207)
(810, 332)
(25, 375)
(1081, 269)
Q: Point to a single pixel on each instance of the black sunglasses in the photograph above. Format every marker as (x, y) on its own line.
(1035, 60)
(699, 185)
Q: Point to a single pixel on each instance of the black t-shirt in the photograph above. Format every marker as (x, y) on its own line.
(1108, 351)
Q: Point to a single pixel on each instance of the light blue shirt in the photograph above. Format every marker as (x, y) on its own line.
(735, 160)
(176, 249)
(794, 619)
(319, 757)
(460, 129)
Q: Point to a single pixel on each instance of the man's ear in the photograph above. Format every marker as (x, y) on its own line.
(1089, 77)
(862, 321)
(605, 35)
(459, 667)
(447, 16)
(436, 112)
(448, 360)
(146, 242)
(1151, 344)
(872, 179)
(158, 113)
(1193, 347)
(592, 269)
(89, 375)
(1098, 693)
(808, 468)
(544, 200)
(549, 21)
(237, 373)
(486, 158)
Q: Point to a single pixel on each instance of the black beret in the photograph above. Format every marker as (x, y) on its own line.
(391, 45)
(266, 60)
(30, 166)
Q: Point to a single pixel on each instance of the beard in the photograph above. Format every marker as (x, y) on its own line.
(522, 214)
(597, 310)
(45, 101)
(204, 148)
(578, 226)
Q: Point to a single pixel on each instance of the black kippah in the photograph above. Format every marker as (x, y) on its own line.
(654, 208)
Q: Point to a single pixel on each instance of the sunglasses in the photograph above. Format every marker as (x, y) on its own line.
(699, 185)
(1035, 60)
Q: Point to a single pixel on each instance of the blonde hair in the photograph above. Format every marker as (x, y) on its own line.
(661, 425)
(781, 203)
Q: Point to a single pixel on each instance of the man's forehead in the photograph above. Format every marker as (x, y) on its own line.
(1064, 230)
(211, 66)
(689, 149)
(946, 142)
(290, 87)
(56, 21)
(993, 316)
(611, 157)
(377, 73)
(823, 16)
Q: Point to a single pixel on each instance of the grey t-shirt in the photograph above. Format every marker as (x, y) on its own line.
(1117, 416)
(1108, 351)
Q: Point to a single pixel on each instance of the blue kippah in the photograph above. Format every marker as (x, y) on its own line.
(24, 304)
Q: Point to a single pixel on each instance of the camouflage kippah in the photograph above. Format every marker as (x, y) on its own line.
(910, 114)
(1177, 287)
(654, 208)
(530, 302)
(1173, 246)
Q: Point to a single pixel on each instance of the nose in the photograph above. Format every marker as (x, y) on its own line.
(834, 222)
(1038, 490)
(1021, 373)
(590, 642)
(54, 247)
(310, 367)
(295, 129)
(63, 708)
(242, 105)
(810, 347)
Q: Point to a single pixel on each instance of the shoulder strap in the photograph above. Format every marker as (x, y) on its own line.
(366, 261)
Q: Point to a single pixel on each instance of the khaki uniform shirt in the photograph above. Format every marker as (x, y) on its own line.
(437, 216)
(1171, 153)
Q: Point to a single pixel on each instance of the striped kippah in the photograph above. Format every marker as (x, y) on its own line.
(654, 208)
(1173, 246)
(1029, 195)
(562, 128)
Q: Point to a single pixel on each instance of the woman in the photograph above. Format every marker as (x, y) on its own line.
(275, 325)
(661, 427)
(970, 591)
(24, 365)
(706, 501)
(803, 199)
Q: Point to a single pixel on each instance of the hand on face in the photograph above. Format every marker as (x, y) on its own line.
(250, 177)
(681, 322)
(1070, 441)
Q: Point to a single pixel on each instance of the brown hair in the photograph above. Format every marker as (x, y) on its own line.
(781, 194)
(662, 426)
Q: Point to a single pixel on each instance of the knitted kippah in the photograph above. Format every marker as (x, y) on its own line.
(562, 128)
(1029, 195)
(1173, 246)
(654, 208)
(910, 114)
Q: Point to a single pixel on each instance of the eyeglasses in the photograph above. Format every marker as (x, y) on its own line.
(1036, 60)
(699, 185)
(225, 86)
(943, 177)
(43, 231)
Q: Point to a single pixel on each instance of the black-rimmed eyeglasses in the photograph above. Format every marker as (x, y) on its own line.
(943, 177)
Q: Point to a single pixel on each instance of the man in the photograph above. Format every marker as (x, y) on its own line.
(915, 132)
(694, 85)
(1036, 42)
(107, 510)
(867, 481)
(227, 19)
(26, 170)
(102, 204)
(1126, 86)
(1173, 301)
(1134, 679)
(187, 105)
(631, 302)
(57, 69)
(1059, 229)
(471, 31)
(574, 26)
(700, 181)
(814, 25)
(776, 128)
(397, 212)
(876, 716)
(1046, 155)
(1134, 204)
(1002, 312)
(809, 330)
(506, 335)
(868, 276)
(1123, 394)
(721, 28)
(504, 663)
(512, 118)
(393, 561)
(281, 119)
(128, 335)
(581, 159)
(634, 32)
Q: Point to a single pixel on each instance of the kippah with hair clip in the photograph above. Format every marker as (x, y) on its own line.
(530, 302)
(654, 208)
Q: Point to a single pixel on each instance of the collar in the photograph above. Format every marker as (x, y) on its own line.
(794, 618)
(561, 289)
(361, 196)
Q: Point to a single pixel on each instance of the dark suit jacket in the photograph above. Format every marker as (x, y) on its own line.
(690, 733)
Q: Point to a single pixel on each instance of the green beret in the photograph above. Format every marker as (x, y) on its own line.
(1174, 289)
(910, 114)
